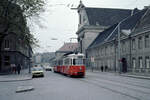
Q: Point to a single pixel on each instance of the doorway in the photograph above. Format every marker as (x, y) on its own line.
(0, 63)
(124, 65)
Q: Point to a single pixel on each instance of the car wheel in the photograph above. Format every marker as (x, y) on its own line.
(42, 76)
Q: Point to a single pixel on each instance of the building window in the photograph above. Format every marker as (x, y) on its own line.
(140, 43)
(140, 62)
(133, 62)
(147, 62)
(105, 51)
(133, 44)
(147, 41)
(6, 43)
(97, 52)
(112, 49)
(123, 47)
(7, 60)
(108, 50)
(80, 18)
(100, 51)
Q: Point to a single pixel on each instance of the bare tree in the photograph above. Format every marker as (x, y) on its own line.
(14, 14)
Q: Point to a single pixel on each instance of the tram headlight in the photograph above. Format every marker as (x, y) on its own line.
(80, 68)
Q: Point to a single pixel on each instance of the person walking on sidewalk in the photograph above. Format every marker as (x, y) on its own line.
(18, 68)
(102, 68)
(106, 68)
(13, 67)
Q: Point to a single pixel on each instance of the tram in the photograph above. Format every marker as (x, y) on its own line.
(71, 65)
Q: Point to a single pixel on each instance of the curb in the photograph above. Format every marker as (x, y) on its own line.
(15, 80)
(24, 89)
(136, 76)
(129, 75)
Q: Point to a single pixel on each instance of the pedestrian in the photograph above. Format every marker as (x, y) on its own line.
(13, 66)
(18, 68)
(102, 68)
(106, 68)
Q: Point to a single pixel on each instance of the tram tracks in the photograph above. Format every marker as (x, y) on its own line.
(125, 91)
(133, 88)
(124, 82)
(129, 90)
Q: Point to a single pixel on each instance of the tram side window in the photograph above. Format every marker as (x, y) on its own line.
(66, 61)
(74, 61)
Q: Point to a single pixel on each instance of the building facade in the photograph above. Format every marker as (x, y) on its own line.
(14, 51)
(134, 45)
(92, 21)
(140, 45)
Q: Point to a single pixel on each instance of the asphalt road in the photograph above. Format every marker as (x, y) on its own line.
(95, 86)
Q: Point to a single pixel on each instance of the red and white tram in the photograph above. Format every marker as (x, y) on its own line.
(71, 64)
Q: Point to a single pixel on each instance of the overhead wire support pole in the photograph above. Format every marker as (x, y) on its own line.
(119, 50)
(119, 45)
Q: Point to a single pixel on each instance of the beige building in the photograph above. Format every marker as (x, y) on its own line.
(92, 21)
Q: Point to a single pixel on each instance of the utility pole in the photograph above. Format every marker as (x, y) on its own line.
(119, 50)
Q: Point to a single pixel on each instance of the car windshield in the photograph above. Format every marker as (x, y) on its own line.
(37, 69)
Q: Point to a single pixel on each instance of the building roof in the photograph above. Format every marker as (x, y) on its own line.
(102, 36)
(107, 16)
(127, 24)
(144, 23)
(68, 47)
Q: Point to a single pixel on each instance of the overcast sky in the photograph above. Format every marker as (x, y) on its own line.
(61, 23)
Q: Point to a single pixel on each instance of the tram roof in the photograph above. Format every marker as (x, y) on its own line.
(75, 55)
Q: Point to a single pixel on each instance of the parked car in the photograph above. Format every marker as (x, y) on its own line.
(37, 72)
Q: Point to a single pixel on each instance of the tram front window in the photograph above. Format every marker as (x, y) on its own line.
(77, 61)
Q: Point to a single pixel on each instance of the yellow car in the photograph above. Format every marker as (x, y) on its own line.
(37, 72)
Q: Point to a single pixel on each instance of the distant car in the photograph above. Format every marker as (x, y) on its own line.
(48, 68)
(37, 72)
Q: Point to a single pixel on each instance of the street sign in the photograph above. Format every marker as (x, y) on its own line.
(92, 59)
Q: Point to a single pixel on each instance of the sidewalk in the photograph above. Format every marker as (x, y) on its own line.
(24, 75)
(136, 75)
(132, 75)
